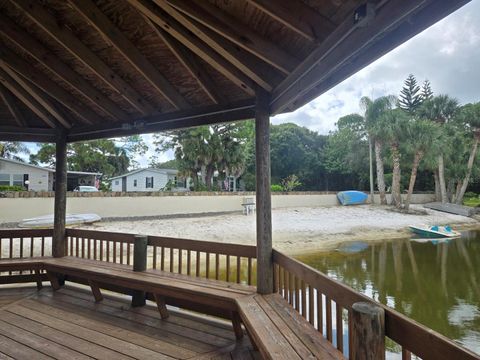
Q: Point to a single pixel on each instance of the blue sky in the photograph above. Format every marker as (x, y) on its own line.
(447, 54)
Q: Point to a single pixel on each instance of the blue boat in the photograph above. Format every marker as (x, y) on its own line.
(352, 197)
(435, 231)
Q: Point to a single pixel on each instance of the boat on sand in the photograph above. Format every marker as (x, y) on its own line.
(434, 231)
(352, 197)
(47, 220)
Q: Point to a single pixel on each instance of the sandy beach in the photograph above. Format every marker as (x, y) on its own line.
(295, 230)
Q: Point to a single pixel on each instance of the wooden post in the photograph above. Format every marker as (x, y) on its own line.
(264, 204)
(139, 264)
(368, 333)
(58, 243)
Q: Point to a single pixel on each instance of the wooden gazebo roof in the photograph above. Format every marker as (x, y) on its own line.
(103, 68)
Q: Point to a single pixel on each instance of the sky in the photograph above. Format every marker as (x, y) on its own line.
(447, 54)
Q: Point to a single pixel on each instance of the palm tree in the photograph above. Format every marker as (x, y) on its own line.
(470, 115)
(390, 127)
(422, 136)
(373, 110)
(440, 109)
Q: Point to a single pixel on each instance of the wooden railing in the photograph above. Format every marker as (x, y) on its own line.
(100, 245)
(325, 302)
(221, 261)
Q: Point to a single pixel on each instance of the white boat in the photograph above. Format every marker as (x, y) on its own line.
(70, 219)
(435, 231)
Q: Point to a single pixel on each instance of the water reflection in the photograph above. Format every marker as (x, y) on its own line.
(434, 283)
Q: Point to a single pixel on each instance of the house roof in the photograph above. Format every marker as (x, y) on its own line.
(160, 171)
(47, 169)
(108, 68)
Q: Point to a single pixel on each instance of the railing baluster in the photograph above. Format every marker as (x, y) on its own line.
(154, 259)
(101, 250)
(319, 312)
(95, 249)
(227, 275)
(217, 265)
(238, 269)
(121, 253)
(43, 246)
(114, 257)
(108, 250)
(304, 300)
(197, 264)
(10, 252)
(189, 262)
(207, 264)
(83, 247)
(249, 271)
(339, 321)
(328, 310)
(406, 355)
(1, 245)
(162, 258)
(171, 259)
(128, 253)
(77, 244)
(89, 248)
(311, 305)
(180, 260)
(297, 294)
(290, 287)
(31, 246)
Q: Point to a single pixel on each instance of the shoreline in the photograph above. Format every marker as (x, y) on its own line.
(296, 231)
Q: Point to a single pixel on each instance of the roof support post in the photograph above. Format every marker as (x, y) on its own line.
(264, 203)
(59, 234)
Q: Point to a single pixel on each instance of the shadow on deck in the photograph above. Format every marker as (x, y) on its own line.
(69, 324)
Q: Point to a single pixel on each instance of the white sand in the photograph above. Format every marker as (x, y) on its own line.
(295, 230)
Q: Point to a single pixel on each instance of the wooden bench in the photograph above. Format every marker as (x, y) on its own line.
(24, 264)
(208, 296)
(279, 332)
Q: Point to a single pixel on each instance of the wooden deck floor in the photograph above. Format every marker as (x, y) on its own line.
(68, 324)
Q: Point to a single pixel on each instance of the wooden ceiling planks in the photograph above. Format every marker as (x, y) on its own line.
(115, 67)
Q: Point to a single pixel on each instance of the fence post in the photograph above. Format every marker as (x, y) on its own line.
(139, 264)
(368, 333)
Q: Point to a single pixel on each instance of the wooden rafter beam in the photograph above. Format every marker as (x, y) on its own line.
(9, 99)
(190, 62)
(237, 32)
(27, 99)
(22, 39)
(178, 31)
(22, 67)
(176, 120)
(118, 39)
(15, 133)
(41, 17)
(42, 98)
(346, 43)
(297, 16)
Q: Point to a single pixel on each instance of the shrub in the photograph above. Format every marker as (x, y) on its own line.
(470, 194)
(290, 183)
(11, 188)
(276, 188)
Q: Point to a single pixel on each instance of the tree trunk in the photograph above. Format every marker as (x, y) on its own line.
(396, 194)
(413, 177)
(438, 196)
(459, 189)
(372, 189)
(209, 176)
(450, 186)
(380, 172)
(466, 180)
(441, 179)
(203, 174)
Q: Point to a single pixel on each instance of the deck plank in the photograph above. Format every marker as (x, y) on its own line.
(18, 351)
(150, 326)
(125, 348)
(70, 341)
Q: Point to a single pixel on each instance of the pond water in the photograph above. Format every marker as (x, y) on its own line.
(435, 282)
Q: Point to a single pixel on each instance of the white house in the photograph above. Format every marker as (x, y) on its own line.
(37, 178)
(148, 180)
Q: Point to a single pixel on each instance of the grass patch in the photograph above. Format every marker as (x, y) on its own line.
(473, 202)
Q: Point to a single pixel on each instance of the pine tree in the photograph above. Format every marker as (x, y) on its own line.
(410, 97)
(427, 92)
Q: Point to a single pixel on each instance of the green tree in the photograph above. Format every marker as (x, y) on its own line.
(440, 109)
(470, 116)
(206, 149)
(374, 109)
(421, 136)
(410, 96)
(12, 150)
(427, 92)
(390, 127)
